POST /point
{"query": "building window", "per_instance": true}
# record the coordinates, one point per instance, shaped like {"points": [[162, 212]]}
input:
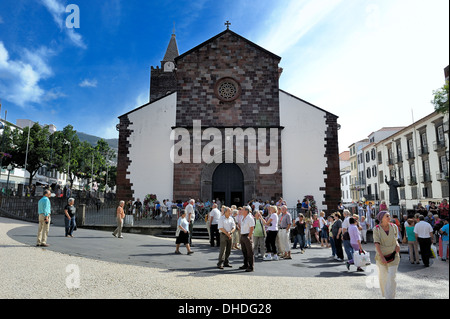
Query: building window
{"points": [[400, 176], [393, 173], [444, 164], [440, 134], [373, 153], [426, 167], [227, 89], [390, 157], [424, 142], [426, 172], [410, 149], [399, 152]]}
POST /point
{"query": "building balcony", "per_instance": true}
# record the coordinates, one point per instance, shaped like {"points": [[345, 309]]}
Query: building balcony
{"points": [[399, 158], [390, 161], [423, 150], [412, 180], [410, 155], [425, 178], [442, 176], [439, 145], [371, 197], [360, 184]]}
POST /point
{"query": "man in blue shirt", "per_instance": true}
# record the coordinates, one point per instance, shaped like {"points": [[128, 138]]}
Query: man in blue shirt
{"points": [[44, 211]]}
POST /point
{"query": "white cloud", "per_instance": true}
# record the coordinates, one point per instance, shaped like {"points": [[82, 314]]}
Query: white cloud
{"points": [[142, 99], [19, 79], [108, 130], [58, 12], [56, 9], [53, 94], [89, 83], [369, 62], [288, 24]]}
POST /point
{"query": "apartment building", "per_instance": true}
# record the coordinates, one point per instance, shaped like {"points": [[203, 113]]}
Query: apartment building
{"points": [[417, 157], [357, 184], [344, 165]]}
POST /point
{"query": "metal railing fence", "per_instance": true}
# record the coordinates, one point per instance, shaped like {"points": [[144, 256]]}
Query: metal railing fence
{"points": [[102, 212]]}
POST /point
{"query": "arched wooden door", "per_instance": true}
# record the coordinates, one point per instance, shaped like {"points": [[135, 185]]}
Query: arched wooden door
{"points": [[228, 184]]}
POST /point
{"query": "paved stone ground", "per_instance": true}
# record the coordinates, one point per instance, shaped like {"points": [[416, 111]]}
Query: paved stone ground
{"points": [[94, 264]]}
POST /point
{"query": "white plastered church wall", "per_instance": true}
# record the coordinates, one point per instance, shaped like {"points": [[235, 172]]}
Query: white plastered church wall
{"points": [[302, 139], [151, 169]]}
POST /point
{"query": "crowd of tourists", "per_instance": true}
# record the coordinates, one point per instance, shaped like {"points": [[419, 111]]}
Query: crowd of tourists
{"points": [[273, 233], [270, 232]]}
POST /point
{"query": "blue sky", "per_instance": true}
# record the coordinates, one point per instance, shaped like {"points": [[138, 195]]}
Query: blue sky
{"points": [[372, 63]]}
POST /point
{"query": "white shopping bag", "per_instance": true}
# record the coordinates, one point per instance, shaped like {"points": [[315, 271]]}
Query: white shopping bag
{"points": [[434, 253], [361, 259]]}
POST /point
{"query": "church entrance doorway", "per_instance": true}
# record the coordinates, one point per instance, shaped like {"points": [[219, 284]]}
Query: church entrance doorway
{"points": [[228, 184]]}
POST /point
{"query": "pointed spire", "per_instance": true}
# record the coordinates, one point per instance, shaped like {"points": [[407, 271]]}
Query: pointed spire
{"points": [[172, 49]]}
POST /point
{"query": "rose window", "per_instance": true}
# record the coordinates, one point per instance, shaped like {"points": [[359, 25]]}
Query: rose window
{"points": [[227, 89]]}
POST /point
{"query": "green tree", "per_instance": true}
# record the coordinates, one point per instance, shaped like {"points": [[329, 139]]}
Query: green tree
{"points": [[440, 100], [65, 152], [6, 146], [39, 151], [105, 172], [81, 161]]}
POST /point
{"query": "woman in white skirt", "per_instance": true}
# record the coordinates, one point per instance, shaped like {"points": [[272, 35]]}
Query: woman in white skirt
{"points": [[387, 254]]}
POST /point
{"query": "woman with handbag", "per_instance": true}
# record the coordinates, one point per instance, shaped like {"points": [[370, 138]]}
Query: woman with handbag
{"points": [[387, 257], [355, 242], [182, 233]]}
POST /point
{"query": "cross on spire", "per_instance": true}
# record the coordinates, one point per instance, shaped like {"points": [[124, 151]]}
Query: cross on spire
{"points": [[228, 24]]}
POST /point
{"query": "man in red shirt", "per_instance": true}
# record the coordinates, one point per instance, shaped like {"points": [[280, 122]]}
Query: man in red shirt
{"points": [[443, 209]]}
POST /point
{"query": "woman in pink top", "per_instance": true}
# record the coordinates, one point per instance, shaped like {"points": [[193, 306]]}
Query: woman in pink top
{"points": [[316, 226], [355, 241]]}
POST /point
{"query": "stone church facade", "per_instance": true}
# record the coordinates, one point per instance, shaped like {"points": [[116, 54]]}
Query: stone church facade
{"points": [[228, 86]]}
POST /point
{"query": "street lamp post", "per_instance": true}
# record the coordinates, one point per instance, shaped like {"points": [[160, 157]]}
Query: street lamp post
{"points": [[68, 165], [26, 154], [9, 168], [92, 173]]}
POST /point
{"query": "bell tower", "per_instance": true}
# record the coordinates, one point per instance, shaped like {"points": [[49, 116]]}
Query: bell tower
{"points": [[163, 79]]}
